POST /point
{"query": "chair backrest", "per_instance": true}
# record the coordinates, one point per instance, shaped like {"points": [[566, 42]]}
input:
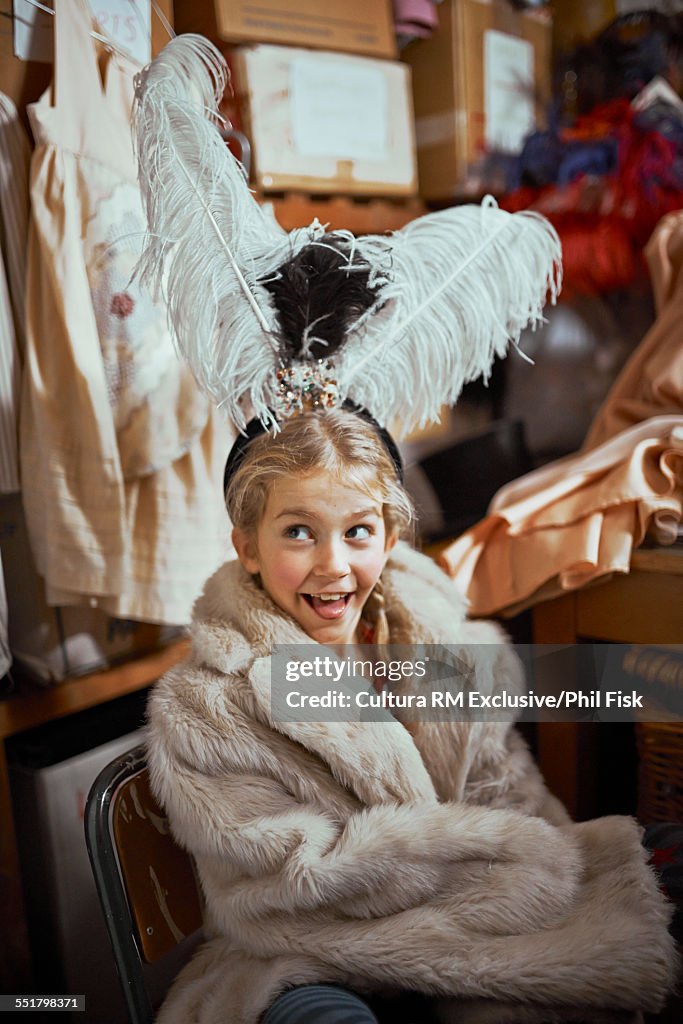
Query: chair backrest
{"points": [[146, 883], [466, 476]]}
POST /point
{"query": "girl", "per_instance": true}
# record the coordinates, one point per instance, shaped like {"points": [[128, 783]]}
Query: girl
{"points": [[372, 858], [344, 862]]}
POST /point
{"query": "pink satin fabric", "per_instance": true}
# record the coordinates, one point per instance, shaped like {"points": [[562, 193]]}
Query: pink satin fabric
{"points": [[577, 520]]}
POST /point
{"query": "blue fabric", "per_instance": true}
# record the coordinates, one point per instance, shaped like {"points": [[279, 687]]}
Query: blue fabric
{"points": [[332, 1004], [319, 1004]]}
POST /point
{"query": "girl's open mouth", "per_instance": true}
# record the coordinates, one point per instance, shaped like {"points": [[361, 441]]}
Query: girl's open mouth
{"points": [[328, 606]]}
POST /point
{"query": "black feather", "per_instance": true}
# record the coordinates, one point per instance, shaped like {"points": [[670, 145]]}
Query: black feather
{"points": [[319, 290]]}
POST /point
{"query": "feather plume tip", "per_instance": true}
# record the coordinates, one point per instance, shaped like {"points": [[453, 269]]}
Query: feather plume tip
{"points": [[465, 282], [209, 242]]}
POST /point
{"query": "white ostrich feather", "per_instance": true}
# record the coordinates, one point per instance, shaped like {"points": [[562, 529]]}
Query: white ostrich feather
{"points": [[454, 288], [209, 241]]}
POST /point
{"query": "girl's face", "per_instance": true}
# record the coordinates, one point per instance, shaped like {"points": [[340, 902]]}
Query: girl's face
{"points": [[320, 548]]}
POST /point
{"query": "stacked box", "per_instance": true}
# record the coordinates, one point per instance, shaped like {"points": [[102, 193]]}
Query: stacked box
{"points": [[325, 122], [352, 26], [480, 84]]}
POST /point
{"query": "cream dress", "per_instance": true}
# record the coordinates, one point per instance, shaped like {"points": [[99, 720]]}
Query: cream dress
{"points": [[122, 456]]}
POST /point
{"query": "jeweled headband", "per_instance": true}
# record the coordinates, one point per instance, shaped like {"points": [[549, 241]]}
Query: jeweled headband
{"points": [[256, 429]]}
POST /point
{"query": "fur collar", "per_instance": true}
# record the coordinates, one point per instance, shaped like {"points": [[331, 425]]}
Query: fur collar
{"points": [[236, 626]]}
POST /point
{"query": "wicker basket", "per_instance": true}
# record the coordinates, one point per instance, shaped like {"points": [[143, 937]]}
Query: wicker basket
{"points": [[660, 772]]}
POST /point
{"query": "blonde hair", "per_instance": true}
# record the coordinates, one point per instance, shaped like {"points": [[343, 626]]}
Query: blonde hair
{"points": [[334, 441]]}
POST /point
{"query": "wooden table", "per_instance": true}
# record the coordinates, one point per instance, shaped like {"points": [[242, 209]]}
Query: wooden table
{"points": [[24, 711], [644, 606]]}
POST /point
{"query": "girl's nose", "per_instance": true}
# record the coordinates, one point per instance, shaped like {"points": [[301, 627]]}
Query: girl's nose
{"points": [[332, 560]]}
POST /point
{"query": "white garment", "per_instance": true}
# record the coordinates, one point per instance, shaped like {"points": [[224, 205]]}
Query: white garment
{"points": [[10, 390], [15, 160], [122, 456], [15, 154]]}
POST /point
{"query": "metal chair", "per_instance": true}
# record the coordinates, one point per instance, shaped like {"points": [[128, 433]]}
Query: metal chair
{"points": [[146, 883]]}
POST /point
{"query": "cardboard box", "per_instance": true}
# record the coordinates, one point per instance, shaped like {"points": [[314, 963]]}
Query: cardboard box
{"points": [[326, 122], [351, 26], [578, 21], [482, 82]]}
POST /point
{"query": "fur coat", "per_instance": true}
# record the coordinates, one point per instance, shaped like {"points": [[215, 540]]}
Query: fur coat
{"points": [[364, 854]]}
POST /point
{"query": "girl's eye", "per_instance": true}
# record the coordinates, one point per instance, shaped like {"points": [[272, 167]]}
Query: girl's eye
{"points": [[359, 532], [297, 533]]}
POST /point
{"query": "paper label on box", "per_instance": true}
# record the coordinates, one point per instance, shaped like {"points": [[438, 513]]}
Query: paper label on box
{"points": [[338, 110], [126, 22], [508, 91], [435, 129]]}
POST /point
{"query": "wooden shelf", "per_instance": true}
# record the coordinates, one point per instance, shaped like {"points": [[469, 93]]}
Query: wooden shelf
{"points": [[26, 710], [361, 216]]}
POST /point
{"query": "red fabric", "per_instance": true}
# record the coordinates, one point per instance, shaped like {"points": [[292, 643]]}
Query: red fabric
{"points": [[604, 223]]}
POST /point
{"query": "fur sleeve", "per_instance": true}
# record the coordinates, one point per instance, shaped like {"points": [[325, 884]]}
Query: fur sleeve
{"points": [[609, 946]]}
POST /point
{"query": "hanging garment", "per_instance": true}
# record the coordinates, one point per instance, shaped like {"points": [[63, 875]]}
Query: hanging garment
{"points": [[15, 155], [5, 655], [651, 383], [10, 389], [121, 454], [15, 161], [579, 519], [9, 467]]}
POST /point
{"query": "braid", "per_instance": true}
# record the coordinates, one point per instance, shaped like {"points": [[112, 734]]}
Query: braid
{"points": [[375, 607]]}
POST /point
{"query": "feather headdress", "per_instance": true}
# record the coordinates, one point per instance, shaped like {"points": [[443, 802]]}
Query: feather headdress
{"points": [[210, 243], [399, 323]]}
